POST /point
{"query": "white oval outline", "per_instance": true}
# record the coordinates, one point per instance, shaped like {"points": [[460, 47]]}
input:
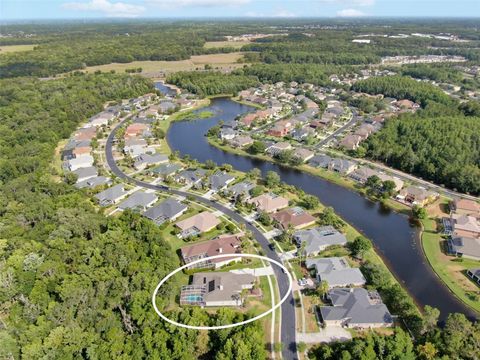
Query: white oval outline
{"points": [[218, 327]]}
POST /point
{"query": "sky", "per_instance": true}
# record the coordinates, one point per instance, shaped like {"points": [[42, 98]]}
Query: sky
{"points": [[91, 9]]}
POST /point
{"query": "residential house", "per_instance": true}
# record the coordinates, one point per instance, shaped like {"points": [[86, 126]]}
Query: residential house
{"points": [[220, 180], [302, 133], [465, 225], [197, 224], [281, 128], [81, 162], [415, 195], [296, 217], [465, 247], [406, 104], [136, 147], [191, 177], [303, 154], [362, 174], [166, 107], [139, 200], [321, 161], [67, 154], [474, 274], [318, 239], [216, 289], [240, 189], [93, 182], [81, 151], [336, 272], [466, 207], [241, 141], [136, 130], [356, 308], [277, 148], [166, 170], [227, 134], [85, 134], [144, 160], [351, 142], [224, 244], [364, 131], [101, 119], [168, 210], [269, 203], [342, 166], [85, 173], [398, 183], [111, 195]]}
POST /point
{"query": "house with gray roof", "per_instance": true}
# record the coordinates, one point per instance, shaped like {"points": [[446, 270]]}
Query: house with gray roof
{"points": [[216, 289], [94, 182], [342, 166], [220, 180], [168, 210], [321, 161], [356, 308], [165, 170], [466, 247], [474, 274], [85, 173], [242, 188], [138, 201], [318, 239], [336, 272], [362, 174], [144, 160], [111, 195], [191, 177]]}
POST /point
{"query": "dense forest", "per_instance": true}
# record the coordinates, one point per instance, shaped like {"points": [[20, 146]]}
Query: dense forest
{"points": [[445, 150], [301, 73], [211, 82], [403, 87], [74, 283]]}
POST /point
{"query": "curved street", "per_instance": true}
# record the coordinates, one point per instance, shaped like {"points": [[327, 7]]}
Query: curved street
{"points": [[288, 329]]}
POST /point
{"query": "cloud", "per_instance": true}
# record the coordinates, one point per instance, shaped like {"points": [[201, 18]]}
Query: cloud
{"points": [[109, 9], [350, 13], [197, 3], [282, 13], [350, 2]]}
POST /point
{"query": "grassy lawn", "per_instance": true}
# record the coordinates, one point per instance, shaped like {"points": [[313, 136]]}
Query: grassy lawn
{"points": [[223, 61], [450, 269], [221, 44], [310, 302], [15, 48]]}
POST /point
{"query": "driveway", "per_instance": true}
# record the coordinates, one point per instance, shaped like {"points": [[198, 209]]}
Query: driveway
{"points": [[327, 335]]}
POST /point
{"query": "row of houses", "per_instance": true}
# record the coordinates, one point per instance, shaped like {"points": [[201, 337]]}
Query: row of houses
{"points": [[463, 229]]}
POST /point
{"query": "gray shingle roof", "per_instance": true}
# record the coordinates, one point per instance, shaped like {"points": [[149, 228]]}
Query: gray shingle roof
{"points": [[111, 195], [319, 238], [140, 199], [336, 271], [167, 210], [356, 306], [219, 180], [93, 182]]}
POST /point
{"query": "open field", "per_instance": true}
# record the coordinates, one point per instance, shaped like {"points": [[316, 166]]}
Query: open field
{"points": [[224, 62], [450, 269], [15, 48], [231, 44]]}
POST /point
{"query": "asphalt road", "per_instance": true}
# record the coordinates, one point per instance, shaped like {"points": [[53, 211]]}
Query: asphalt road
{"points": [[288, 330]]}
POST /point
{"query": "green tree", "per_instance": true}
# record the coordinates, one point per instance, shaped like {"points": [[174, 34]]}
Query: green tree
{"points": [[419, 212], [360, 246], [258, 147], [272, 179]]}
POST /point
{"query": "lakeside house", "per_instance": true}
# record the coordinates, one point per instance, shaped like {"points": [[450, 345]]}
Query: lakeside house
{"points": [[144, 160], [474, 274], [168, 210], [220, 180], [241, 141], [465, 247], [303, 154], [336, 272], [277, 148], [464, 225], [240, 189], [318, 239], [465, 207], [223, 244], [165, 170], [296, 217], [415, 195], [351, 142], [216, 289], [269, 203], [356, 308], [197, 224], [320, 161], [342, 166], [191, 177]]}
